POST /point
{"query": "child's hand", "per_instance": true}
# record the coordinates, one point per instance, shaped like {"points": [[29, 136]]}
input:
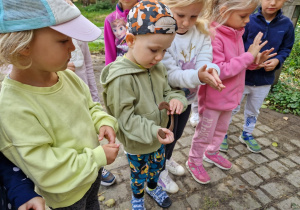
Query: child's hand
{"points": [[169, 136], [176, 107], [214, 73], [265, 55], [71, 66], [111, 152], [206, 77], [107, 132], [271, 64], [256, 46], [36, 203]]}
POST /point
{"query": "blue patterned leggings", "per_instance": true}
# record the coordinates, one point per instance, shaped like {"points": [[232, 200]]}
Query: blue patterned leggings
{"points": [[146, 167]]}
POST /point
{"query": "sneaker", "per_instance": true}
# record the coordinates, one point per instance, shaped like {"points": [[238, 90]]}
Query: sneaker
{"points": [[107, 178], [194, 119], [224, 145], [138, 203], [160, 196], [252, 145], [174, 167], [167, 183], [218, 160], [198, 172]]}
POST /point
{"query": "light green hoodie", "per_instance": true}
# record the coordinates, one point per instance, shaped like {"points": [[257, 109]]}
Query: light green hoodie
{"points": [[132, 95]]}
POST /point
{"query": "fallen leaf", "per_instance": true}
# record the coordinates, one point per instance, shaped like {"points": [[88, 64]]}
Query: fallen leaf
{"points": [[110, 203], [274, 144], [101, 198], [285, 118], [264, 106]]}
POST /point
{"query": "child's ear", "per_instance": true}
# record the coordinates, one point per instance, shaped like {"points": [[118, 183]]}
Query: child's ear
{"points": [[130, 39], [25, 51], [222, 10]]}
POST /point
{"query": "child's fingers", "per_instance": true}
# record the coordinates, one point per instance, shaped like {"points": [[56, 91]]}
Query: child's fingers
{"points": [[263, 44], [272, 55]]}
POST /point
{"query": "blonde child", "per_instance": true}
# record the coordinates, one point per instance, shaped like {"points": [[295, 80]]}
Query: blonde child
{"points": [[189, 64], [115, 30], [49, 122], [230, 17], [134, 86], [279, 31]]}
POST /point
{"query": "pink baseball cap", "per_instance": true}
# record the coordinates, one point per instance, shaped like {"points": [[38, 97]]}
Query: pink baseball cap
{"points": [[61, 16]]}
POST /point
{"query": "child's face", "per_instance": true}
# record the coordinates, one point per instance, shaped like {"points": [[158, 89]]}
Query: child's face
{"points": [[50, 50], [239, 18], [147, 50], [186, 17], [128, 4], [271, 7], [119, 31]]}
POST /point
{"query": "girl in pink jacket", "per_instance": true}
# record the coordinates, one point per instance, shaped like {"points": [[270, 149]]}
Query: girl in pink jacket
{"points": [[230, 18]]}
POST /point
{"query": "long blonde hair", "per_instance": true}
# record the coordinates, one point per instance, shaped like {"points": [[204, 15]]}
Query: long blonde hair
{"points": [[11, 44], [201, 23]]}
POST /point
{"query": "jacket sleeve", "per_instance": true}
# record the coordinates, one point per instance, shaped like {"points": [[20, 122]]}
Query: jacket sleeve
{"points": [[122, 108], [232, 67], [109, 42], [90, 71], [19, 188]]}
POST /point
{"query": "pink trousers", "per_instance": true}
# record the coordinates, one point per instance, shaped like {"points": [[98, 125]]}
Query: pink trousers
{"points": [[209, 134]]}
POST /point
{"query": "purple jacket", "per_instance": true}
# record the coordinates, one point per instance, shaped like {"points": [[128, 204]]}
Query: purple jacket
{"points": [[229, 54], [114, 33]]}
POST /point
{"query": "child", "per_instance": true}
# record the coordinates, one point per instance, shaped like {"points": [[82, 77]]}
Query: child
{"points": [[186, 61], [17, 188], [49, 122], [279, 31], [134, 86], [230, 16], [115, 31]]}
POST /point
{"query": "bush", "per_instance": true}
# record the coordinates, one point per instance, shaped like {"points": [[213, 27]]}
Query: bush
{"points": [[100, 5]]}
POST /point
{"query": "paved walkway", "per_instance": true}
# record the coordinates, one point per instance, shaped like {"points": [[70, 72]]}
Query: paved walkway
{"points": [[268, 180]]}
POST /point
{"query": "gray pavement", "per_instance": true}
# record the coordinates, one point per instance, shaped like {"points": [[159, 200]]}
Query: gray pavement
{"points": [[267, 180]]}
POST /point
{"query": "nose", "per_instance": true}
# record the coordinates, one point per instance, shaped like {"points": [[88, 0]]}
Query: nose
{"points": [[159, 57], [273, 2], [247, 20], [186, 22], [72, 46]]}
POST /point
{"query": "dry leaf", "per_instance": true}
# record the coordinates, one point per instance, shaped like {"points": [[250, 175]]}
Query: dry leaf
{"points": [[285, 118], [274, 144], [110, 202], [101, 198]]}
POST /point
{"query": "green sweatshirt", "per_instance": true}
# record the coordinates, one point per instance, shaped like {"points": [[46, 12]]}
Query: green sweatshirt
{"points": [[51, 134], [132, 95]]}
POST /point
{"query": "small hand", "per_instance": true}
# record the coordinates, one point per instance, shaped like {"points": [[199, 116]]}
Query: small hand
{"points": [[71, 66], [271, 64], [265, 55], [111, 152], [36, 203], [206, 77], [176, 107], [169, 136], [107, 132], [214, 73], [256, 46]]}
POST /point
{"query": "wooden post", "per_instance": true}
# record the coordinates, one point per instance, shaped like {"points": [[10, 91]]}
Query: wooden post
{"points": [[290, 9]]}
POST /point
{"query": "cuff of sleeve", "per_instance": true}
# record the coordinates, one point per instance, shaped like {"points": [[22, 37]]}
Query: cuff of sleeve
{"points": [[214, 66], [26, 196], [195, 79], [100, 157], [154, 131], [109, 121]]}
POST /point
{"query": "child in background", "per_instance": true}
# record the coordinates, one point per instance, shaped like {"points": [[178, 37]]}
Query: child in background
{"points": [[51, 109], [134, 86], [16, 190], [230, 16], [189, 64], [279, 31], [115, 31]]}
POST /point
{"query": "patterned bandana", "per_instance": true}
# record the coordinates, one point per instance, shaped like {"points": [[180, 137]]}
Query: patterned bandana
{"points": [[150, 17]]}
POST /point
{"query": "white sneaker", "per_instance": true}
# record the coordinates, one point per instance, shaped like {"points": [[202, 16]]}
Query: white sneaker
{"points": [[174, 167], [167, 183], [194, 119]]}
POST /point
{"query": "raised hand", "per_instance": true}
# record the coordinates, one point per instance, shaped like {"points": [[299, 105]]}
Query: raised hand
{"points": [[256, 46], [169, 136], [176, 107], [265, 55]]}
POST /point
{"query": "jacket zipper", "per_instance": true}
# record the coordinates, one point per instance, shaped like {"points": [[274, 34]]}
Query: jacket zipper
{"points": [[149, 74]]}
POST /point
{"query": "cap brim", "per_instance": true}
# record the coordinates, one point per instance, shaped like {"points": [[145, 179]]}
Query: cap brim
{"points": [[79, 28]]}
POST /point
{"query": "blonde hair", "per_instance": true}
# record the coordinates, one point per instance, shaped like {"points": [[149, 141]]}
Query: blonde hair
{"points": [[201, 23], [11, 44], [213, 14]]}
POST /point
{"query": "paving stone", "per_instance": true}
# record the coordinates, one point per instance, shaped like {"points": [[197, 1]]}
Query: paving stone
{"points": [[194, 201], [269, 154], [186, 141], [247, 202], [257, 133], [277, 166], [243, 162], [119, 191], [233, 138], [288, 147], [119, 162], [265, 129], [234, 169], [240, 126], [122, 206], [190, 183], [289, 203], [262, 196], [179, 157], [216, 174], [189, 130], [287, 162], [233, 129], [252, 178], [264, 172], [241, 148], [186, 151], [232, 153], [270, 208], [294, 178], [276, 189], [237, 184], [125, 174], [296, 142], [177, 205], [257, 158], [258, 123], [182, 187], [207, 164], [240, 116], [264, 141], [295, 158], [223, 188], [235, 119]]}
